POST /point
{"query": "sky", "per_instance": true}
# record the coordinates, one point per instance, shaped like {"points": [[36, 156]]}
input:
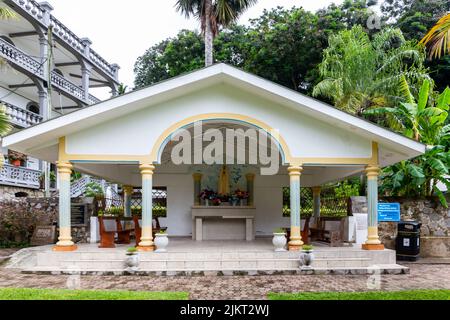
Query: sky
{"points": [[122, 31]]}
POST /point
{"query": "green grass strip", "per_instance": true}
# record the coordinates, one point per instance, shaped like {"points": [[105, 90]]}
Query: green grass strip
{"points": [[59, 294], [371, 295]]}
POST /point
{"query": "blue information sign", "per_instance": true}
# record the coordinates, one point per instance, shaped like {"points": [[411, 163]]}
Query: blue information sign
{"points": [[389, 212]]}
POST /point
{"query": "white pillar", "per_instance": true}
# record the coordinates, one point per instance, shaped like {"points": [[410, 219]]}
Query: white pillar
{"points": [[65, 242], [295, 243], [146, 243]]}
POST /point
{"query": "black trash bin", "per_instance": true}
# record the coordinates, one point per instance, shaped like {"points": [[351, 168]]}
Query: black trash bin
{"points": [[408, 241]]}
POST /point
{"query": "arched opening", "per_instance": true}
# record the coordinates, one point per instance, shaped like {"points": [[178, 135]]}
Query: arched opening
{"points": [[234, 122], [33, 107]]}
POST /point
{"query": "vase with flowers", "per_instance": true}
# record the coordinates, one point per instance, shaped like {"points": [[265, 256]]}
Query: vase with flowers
{"points": [[207, 196], [241, 196]]}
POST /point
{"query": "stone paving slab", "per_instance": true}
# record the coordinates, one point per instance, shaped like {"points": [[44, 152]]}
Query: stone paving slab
{"points": [[239, 287]]}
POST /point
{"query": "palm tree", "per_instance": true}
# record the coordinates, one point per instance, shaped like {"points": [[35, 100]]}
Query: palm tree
{"points": [[360, 74], [212, 15], [5, 13], [438, 38], [5, 127]]}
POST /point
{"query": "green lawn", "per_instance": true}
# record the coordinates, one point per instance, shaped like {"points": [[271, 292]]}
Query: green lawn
{"points": [[373, 295], [51, 294]]}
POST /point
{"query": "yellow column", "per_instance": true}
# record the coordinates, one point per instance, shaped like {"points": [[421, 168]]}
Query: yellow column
{"points": [[373, 241], [295, 243], [250, 189], [65, 242], [146, 243], [197, 187]]}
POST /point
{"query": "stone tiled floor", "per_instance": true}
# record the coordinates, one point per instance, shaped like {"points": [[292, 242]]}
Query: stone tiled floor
{"points": [[421, 277]]}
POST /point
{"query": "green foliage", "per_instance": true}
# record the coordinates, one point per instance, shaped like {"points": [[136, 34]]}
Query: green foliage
{"points": [[425, 120], [93, 190], [282, 45], [279, 231], [307, 247], [371, 295], [132, 250], [61, 294], [360, 74], [5, 126], [346, 189]]}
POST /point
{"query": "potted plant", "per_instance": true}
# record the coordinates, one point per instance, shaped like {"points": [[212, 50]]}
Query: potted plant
{"points": [[132, 260], [207, 196], [93, 191], [279, 240], [242, 196], [161, 241], [307, 256], [16, 158]]}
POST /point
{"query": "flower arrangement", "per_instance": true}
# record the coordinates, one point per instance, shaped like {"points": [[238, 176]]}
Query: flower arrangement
{"points": [[208, 195], [241, 195]]}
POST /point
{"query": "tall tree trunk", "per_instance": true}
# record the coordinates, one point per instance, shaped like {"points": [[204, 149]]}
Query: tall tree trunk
{"points": [[208, 34]]}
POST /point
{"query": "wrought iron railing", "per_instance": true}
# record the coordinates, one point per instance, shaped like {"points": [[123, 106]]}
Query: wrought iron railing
{"points": [[20, 176], [21, 117], [64, 34]]}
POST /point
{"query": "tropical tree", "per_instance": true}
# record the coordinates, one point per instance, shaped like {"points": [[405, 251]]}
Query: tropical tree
{"points": [[5, 127], [5, 13], [212, 15], [438, 38], [425, 121], [360, 74]]}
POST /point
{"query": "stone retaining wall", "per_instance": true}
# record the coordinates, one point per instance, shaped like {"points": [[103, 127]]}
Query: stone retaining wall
{"points": [[9, 193], [20, 216], [435, 219]]}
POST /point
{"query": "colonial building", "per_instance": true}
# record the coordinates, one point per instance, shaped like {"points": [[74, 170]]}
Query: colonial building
{"points": [[47, 71]]}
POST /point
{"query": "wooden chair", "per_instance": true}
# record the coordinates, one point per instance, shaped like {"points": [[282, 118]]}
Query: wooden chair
{"points": [[138, 228], [320, 233], [109, 228]]}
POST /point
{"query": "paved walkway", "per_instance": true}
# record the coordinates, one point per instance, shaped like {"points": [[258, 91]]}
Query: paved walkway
{"points": [[210, 288]]}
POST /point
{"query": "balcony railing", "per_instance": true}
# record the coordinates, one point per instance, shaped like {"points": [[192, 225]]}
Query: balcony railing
{"points": [[19, 176], [64, 34], [34, 67], [21, 117]]}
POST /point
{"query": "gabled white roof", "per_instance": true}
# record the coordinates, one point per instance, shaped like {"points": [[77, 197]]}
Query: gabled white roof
{"points": [[48, 132]]}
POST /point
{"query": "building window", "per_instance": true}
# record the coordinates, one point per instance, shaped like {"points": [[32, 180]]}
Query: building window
{"points": [[33, 107]]}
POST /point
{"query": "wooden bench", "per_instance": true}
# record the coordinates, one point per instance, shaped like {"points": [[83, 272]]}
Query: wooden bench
{"points": [[109, 228], [138, 228], [320, 233], [304, 233]]}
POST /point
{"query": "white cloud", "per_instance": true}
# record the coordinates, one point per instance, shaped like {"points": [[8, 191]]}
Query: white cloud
{"points": [[121, 31]]}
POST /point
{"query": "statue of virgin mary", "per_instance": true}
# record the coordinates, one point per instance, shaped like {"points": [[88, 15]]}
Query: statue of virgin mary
{"points": [[224, 181]]}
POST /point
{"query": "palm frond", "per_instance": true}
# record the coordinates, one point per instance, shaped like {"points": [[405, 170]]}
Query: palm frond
{"points": [[437, 39], [5, 127], [6, 13]]}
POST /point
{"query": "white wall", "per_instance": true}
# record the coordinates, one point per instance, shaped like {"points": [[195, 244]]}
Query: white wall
{"points": [[306, 137], [180, 193]]}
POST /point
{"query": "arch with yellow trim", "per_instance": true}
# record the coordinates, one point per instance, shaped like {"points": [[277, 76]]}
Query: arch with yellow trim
{"points": [[167, 135]]}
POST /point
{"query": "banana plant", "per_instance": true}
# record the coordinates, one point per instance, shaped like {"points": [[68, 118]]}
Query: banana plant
{"points": [[424, 120]]}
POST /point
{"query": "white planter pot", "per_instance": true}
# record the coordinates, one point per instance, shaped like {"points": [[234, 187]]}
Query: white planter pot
{"points": [[307, 259], [279, 242], [132, 262], [161, 242]]}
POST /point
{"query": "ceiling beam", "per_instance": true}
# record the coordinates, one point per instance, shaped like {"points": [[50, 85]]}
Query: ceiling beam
{"points": [[66, 64], [90, 79], [24, 85], [68, 108], [23, 34]]}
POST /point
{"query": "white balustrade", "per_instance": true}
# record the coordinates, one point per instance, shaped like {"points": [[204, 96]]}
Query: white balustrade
{"points": [[35, 10], [20, 176], [21, 117]]}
